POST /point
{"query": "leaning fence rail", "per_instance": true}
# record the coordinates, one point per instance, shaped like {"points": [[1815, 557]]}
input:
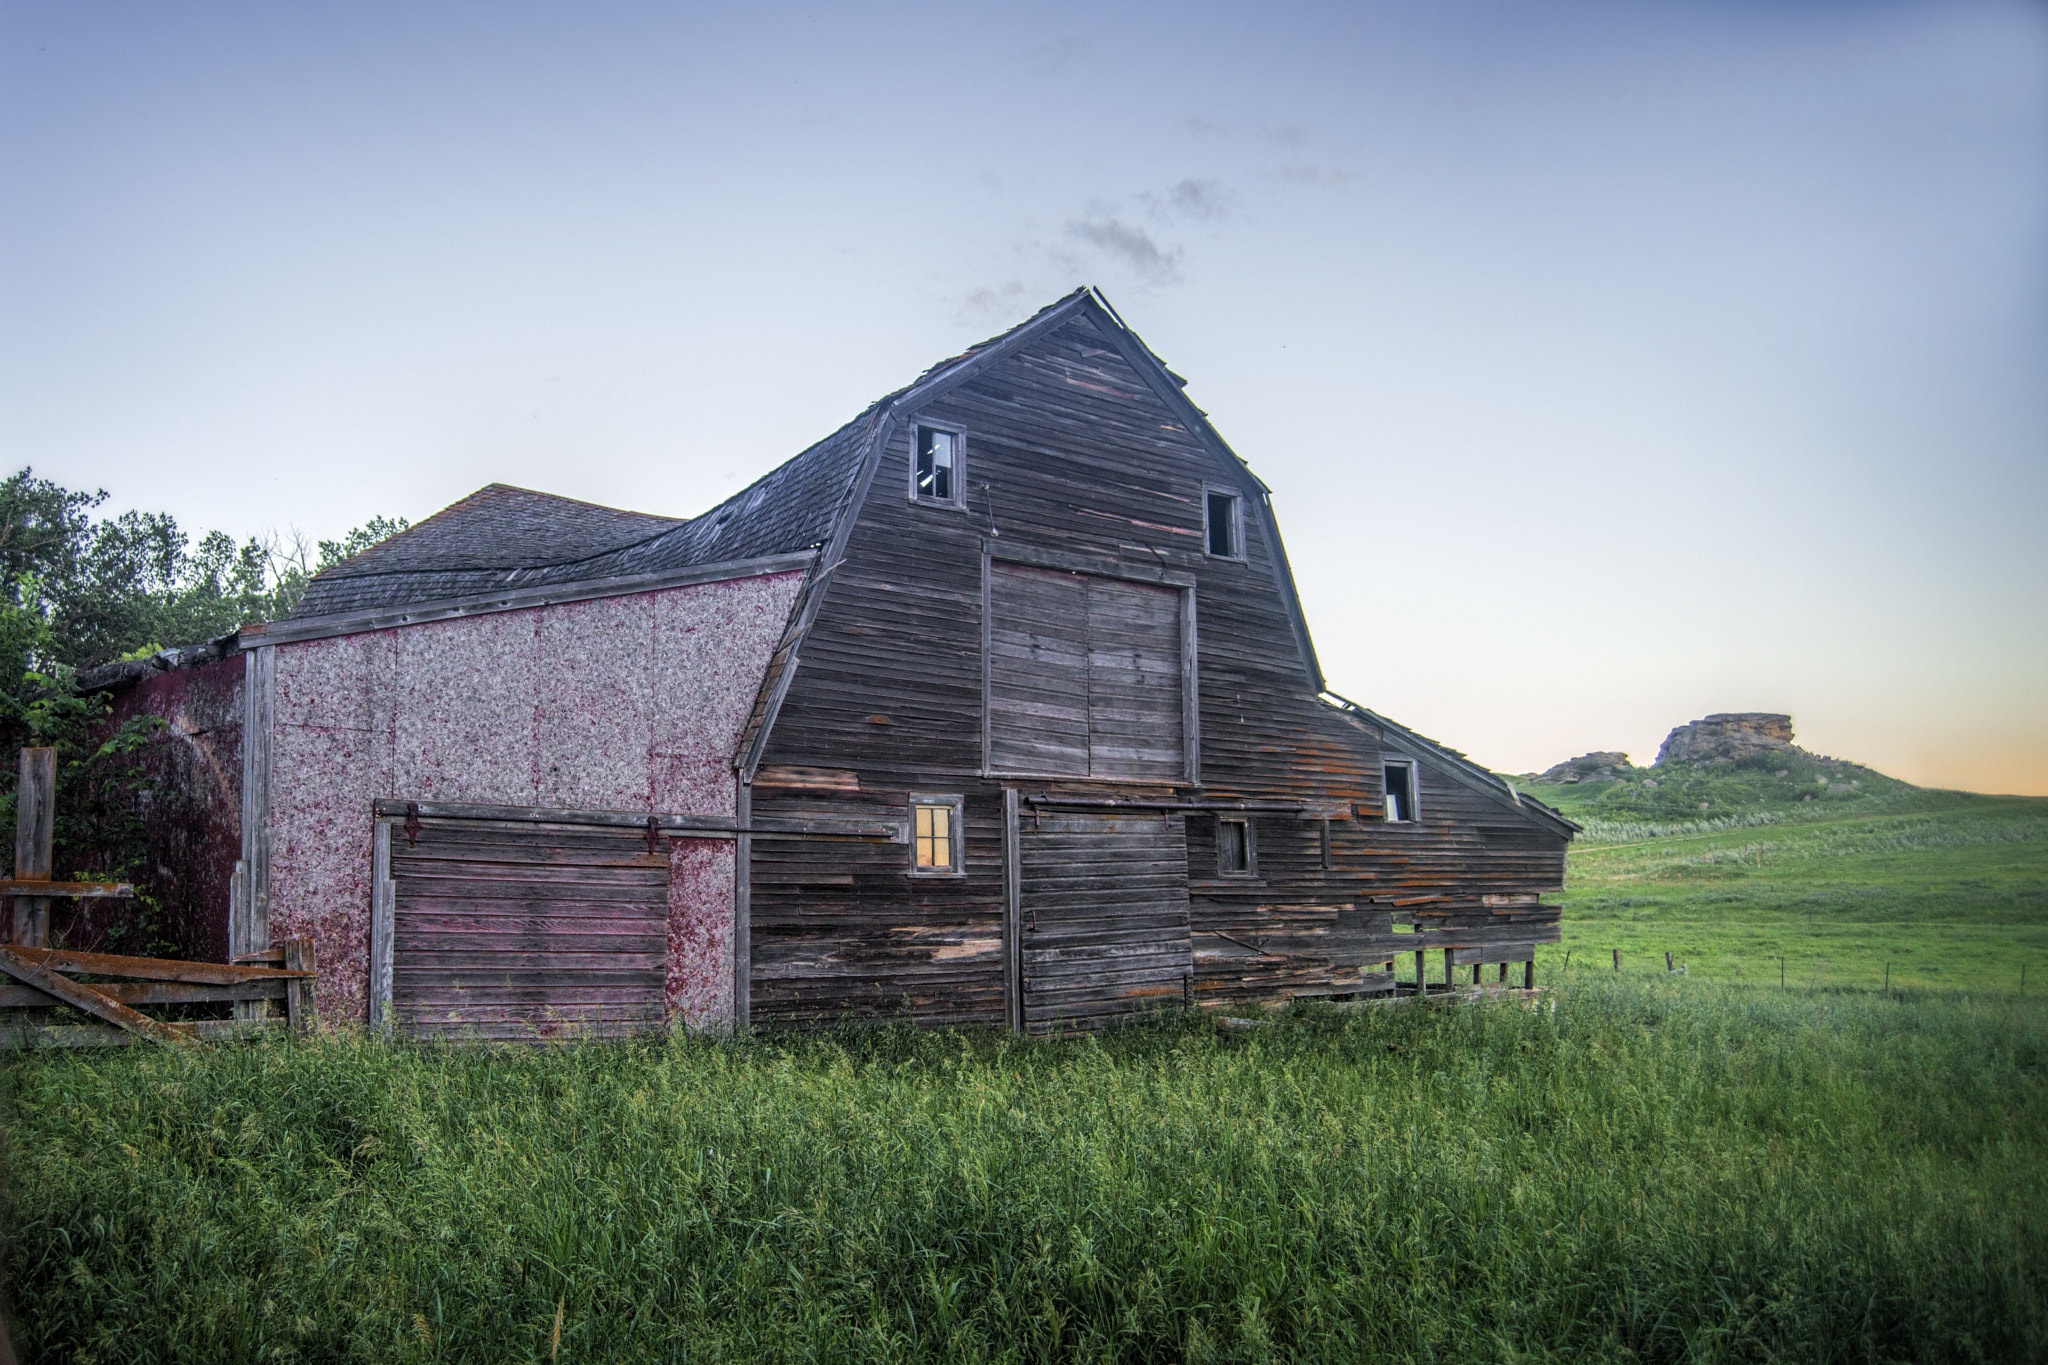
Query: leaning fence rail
{"points": [[112, 992]]}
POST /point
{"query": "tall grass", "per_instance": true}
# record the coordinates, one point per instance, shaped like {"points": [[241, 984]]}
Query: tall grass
{"points": [[1594, 830], [1635, 1172]]}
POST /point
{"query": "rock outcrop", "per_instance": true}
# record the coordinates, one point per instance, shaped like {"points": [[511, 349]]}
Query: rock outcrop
{"points": [[1594, 767], [1727, 735]]}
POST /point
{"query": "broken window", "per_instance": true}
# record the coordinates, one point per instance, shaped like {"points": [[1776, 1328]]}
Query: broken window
{"points": [[1400, 803], [1234, 853], [937, 474], [1223, 524], [934, 835]]}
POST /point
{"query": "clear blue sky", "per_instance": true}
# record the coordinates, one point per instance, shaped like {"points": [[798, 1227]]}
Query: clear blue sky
{"points": [[1612, 363]]}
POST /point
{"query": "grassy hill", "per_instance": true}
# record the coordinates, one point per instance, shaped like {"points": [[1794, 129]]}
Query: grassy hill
{"points": [[1788, 783], [1815, 871]]}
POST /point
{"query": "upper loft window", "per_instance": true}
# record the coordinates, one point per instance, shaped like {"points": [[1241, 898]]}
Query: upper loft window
{"points": [[1223, 524], [935, 475], [1400, 804]]}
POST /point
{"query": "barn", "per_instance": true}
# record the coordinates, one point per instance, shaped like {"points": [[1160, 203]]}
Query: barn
{"points": [[995, 706]]}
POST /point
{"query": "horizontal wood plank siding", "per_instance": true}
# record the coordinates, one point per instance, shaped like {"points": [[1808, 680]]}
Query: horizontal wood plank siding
{"points": [[526, 932], [1105, 918], [1071, 458]]}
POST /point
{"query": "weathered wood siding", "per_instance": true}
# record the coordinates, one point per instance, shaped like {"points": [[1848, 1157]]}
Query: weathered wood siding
{"points": [[526, 931], [1104, 930], [1070, 456], [1084, 676]]}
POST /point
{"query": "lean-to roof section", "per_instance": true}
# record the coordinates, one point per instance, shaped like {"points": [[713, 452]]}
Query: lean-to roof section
{"points": [[1473, 775], [502, 540]]}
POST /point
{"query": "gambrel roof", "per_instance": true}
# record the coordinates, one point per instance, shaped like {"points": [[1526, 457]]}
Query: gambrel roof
{"points": [[511, 543], [502, 539]]}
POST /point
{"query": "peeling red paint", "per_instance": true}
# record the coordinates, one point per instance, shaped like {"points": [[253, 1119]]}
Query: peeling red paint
{"points": [[697, 977], [629, 703]]}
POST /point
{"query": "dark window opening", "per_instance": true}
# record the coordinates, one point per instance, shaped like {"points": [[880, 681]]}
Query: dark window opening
{"points": [[1233, 848], [1400, 791], [938, 459], [1223, 528]]}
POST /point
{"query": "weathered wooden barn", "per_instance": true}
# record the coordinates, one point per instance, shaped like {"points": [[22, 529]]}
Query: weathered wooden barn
{"points": [[996, 705]]}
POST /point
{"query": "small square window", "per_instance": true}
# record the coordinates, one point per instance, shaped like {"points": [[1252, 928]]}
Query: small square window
{"points": [[936, 475], [934, 836], [1235, 856], [1223, 524], [1400, 803]]}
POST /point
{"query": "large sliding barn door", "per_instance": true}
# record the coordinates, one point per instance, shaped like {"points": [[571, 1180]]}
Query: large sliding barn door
{"points": [[1103, 902], [502, 930]]}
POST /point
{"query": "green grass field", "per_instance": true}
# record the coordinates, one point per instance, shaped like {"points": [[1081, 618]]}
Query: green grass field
{"points": [[1630, 1171], [1924, 889], [1632, 1168]]}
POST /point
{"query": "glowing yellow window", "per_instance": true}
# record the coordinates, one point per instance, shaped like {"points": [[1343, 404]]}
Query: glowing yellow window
{"points": [[935, 835]]}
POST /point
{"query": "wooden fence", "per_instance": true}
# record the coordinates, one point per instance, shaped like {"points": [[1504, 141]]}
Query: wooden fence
{"points": [[268, 990]]}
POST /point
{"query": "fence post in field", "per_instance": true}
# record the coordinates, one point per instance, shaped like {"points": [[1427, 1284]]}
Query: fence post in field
{"points": [[1617, 959], [1668, 968], [298, 996], [35, 821]]}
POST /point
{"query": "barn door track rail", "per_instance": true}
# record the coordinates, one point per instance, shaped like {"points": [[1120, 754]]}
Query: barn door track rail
{"points": [[40, 979], [683, 825]]}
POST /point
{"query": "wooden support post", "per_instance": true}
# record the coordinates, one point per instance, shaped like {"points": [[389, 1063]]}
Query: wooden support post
{"points": [[1475, 973], [35, 822], [743, 912], [1503, 973], [1013, 915], [298, 995], [383, 907], [1421, 974], [1529, 975]]}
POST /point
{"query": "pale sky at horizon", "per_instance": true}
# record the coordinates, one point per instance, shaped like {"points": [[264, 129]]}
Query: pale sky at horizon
{"points": [[1611, 363]]}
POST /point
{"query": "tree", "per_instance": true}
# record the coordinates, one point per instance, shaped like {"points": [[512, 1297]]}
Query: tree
{"points": [[77, 592], [106, 589]]}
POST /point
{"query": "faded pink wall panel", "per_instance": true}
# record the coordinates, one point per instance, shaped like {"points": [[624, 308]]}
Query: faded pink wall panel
{"points": [[320, 852], [467, 696], [628, 703], [344, 683], [697, 984], [712, 649], [596, 704]]}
